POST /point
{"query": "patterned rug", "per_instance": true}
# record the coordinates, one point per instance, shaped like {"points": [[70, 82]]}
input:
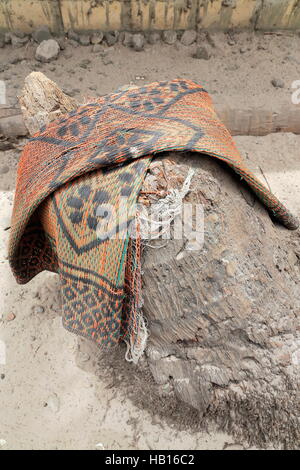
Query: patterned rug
{"points": [[73, 177]]}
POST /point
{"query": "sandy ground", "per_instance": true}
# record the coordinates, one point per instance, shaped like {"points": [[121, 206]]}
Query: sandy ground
{"points": [[53, 395], [239, 75]]}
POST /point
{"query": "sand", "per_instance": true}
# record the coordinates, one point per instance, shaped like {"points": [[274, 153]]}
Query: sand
{"points": [[53, 395]]}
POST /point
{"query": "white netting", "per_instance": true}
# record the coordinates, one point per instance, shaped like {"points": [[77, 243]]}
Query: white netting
{"points": [[137, 342], [138, 333], [164, 212], [167, 209]]}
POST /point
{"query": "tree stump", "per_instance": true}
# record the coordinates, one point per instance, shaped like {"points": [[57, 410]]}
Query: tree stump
{"points": [[223, 318]]}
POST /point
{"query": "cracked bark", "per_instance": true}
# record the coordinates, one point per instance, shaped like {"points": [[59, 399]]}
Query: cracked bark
{"points": [[224, 320]]}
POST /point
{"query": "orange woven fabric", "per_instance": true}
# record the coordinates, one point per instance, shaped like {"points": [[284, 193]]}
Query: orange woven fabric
{"points": [[97, 155]]}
